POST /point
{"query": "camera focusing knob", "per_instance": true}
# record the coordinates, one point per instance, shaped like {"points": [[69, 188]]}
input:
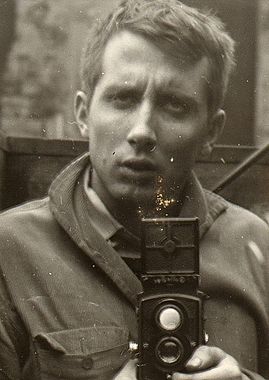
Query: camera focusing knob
{"points": [[133, 348]]}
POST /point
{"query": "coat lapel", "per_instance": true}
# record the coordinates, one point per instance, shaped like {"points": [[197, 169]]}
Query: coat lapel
{"points": [[68, 204]]}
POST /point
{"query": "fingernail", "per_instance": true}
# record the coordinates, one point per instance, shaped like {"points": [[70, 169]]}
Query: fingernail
{"points": [[195, 362]]}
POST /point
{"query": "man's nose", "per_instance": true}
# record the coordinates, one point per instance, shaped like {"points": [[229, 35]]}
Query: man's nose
{"points": [[142, 134]]}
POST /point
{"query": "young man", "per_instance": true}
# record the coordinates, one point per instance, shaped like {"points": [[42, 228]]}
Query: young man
{"points": [[153, 80]]}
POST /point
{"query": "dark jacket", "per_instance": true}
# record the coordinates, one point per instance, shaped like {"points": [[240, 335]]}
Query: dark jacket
{"points": [[68, 299]]}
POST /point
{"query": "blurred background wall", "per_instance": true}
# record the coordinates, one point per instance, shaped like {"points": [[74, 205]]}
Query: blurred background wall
{"points": [[7, 35], [40, 48], [43, 66], [41, 74], [262, 100]]}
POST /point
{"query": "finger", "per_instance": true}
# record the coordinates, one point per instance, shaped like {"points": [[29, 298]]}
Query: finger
{"points": [[205, 357], [127, 372], [211, 374], [228, 370]]}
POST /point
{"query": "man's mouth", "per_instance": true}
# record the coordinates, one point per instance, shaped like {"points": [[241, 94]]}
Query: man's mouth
{"points": [[138, 168]]}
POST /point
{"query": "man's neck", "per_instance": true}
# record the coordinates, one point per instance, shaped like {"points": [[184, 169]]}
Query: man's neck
{"points": [[135, 224], [129, 214]]}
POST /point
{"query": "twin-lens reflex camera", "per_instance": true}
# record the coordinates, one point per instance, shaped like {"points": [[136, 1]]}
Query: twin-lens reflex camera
{"points": [[170, 308]]}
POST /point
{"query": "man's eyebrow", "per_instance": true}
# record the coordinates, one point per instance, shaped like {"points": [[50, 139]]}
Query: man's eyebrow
{"points": [[113, 87], [173, 93], [119, 89], [133, 87]]}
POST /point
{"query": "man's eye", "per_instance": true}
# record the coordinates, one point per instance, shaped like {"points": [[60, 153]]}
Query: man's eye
{"points": [[175, 106], [123, 100]]}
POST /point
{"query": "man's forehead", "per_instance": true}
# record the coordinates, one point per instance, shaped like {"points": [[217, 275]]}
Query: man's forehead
{"points": [[131, 42], [189, 83], [129, 53]]}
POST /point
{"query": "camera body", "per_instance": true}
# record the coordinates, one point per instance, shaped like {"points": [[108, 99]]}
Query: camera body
{"points": [[170, 309]]}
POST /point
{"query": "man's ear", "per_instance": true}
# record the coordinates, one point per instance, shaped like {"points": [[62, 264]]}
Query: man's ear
{"points": [[81, 112], [215, 127]]}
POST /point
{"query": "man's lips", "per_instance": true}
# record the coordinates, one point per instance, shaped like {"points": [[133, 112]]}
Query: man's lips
{"points": [[138, 167], [140, 164]]}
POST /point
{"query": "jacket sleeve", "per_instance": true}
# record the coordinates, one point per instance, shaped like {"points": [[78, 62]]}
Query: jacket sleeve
{"points": [[252, 375], [12, 338], [264, 336], [258, 247]]}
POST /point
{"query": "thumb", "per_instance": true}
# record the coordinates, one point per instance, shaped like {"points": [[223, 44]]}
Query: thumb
{"points": [[203, 358], [127, 372]]}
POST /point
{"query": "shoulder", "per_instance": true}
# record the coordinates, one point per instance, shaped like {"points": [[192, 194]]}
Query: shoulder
{"points": [[25, 221], [234, 220], [245, 220], [234, 213], [24, 211]]}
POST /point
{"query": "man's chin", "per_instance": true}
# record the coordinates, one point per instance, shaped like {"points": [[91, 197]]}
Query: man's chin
{"points": [[140, 197]]}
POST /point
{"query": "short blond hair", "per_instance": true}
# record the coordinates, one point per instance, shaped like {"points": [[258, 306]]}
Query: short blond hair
{"points": [[188, 32]]}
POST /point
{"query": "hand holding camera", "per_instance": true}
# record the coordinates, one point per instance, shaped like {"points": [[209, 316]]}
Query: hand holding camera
{"points": [[206, 363], [210, 363]]}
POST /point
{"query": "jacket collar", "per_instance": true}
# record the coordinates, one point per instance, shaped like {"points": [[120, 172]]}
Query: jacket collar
{"points": [[196, 203], [203, 204], [101, 218], [67, 208]]}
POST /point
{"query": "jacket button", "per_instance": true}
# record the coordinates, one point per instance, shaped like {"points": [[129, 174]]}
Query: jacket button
{"points": [[87, 362]]}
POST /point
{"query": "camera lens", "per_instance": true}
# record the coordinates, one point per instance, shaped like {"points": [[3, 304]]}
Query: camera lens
{"points": [[169, 318], [169, 350]]}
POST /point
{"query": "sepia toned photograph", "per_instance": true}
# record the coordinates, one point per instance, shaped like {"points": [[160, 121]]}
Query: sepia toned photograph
{"points": [[134, 189]]}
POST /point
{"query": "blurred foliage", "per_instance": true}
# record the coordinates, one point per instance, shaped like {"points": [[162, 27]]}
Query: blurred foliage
{"points": [[7, 37], [7, 28], [43, 65], [44, 75], [264, 4]]}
